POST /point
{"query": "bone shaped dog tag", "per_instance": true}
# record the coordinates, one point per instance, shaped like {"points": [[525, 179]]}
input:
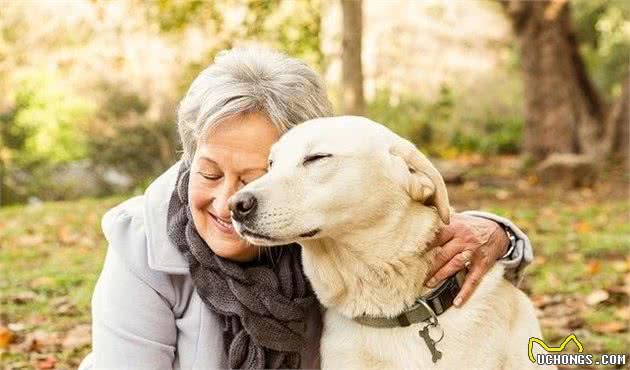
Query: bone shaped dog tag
{"points": [[424, 333]]}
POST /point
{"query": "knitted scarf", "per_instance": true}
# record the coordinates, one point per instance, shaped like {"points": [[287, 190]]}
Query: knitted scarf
{"points": [[263, 304]]}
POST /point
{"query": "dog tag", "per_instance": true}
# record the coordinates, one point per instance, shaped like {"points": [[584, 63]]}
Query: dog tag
{"points": [[424, 333]]}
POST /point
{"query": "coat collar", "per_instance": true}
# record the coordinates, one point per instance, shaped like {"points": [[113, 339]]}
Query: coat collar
{"points": [[163, 255]]}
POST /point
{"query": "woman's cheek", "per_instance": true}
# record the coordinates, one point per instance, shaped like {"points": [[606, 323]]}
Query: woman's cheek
{"points": [[200, 196]]}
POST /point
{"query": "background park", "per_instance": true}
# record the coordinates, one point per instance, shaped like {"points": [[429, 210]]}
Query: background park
{"points": [[524, 106]]}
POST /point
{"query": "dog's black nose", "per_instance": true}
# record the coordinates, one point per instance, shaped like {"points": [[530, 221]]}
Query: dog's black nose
{"points": [[242, 204]]}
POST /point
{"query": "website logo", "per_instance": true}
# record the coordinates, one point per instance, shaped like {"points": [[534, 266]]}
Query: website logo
{"points": [[554, 357]]}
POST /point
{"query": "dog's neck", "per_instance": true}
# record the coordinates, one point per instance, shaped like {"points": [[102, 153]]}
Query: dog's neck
{"points": [[377, 272]]}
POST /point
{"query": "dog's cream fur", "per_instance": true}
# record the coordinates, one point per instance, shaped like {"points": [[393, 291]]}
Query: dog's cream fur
{"points": [[373, 206]]}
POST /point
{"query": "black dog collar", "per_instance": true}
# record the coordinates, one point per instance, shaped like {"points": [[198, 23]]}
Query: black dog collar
{"points": [[426, 307]]}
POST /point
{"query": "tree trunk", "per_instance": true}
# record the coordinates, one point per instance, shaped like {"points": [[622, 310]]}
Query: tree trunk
{"points": [[619, 122], [352, 99], [564, 112]]}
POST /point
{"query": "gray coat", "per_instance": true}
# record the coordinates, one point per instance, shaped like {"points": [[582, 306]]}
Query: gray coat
{"points": [[146, 313]]}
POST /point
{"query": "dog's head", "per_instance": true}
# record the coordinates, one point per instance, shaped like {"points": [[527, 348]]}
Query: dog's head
{"points": [[333, 176]]}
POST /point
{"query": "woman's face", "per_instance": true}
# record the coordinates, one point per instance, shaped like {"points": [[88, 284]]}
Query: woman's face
{"points": [[232, 154]]}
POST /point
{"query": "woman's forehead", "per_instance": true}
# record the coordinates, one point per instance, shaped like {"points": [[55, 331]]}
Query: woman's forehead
{"points": [[240, 139], [243, 128]]}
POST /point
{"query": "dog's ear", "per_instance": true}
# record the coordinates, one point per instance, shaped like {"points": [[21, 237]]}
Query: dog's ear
{"points": [[424, 182]]}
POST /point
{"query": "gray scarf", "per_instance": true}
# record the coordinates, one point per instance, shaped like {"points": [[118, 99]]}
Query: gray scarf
{"points": [[263, 304]]}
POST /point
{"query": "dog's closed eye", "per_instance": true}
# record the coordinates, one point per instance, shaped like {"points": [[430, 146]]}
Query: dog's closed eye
{"points": [[315, 157]]}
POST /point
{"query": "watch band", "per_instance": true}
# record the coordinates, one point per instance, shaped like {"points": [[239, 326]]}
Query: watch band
{"points": [[512, 245]]}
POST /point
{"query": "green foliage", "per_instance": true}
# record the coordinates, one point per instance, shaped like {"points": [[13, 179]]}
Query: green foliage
{"points": [[41, 130], [124, 138], [442, 129], [42, 126], [292, 26], [603, 30], [50, 132], [411, 117], [175, 15], [490, 135]]}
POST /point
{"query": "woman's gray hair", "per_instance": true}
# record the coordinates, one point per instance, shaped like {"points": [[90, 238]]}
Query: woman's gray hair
{"points": [[250, 80]]}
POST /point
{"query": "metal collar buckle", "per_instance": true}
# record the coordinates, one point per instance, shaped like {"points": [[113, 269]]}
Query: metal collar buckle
{"points": [[433, 320]]}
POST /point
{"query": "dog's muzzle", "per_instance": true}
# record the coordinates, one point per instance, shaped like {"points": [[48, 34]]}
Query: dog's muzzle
{"points": [[243, 206]]}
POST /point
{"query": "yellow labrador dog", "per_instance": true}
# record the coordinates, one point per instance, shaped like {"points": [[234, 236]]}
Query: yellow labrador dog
{"points": [[363, 203]]}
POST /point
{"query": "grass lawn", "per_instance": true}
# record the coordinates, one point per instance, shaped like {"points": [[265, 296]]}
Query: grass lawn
{"points": [[51, 255]]}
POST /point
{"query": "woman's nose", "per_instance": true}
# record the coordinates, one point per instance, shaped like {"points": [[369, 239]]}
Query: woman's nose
{"points": [[221, 202]]}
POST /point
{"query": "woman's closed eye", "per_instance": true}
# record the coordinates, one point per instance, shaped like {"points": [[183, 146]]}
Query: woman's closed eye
{"points": [[315, 157], [210, 176]]}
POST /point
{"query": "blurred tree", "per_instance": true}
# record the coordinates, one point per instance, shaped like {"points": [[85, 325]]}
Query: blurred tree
{"points": [[603, 32], [352, 98], [565, 112], [124, 138], [40, 127], [292, 26], [41, 130]]}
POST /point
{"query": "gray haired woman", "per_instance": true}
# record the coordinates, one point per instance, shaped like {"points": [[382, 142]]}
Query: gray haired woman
{"points": [[180, 289]]}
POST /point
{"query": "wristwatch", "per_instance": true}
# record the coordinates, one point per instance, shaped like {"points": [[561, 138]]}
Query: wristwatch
{"points": [[512, 245]]}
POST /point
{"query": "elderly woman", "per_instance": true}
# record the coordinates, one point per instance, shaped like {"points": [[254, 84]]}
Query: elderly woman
{"points": [[179, 289]]}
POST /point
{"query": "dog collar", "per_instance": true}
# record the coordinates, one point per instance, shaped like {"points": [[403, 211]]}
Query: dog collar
{"points": [[426, 307]]}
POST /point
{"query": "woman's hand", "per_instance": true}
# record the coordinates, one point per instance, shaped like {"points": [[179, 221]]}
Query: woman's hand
{"points": [[468, 242]]}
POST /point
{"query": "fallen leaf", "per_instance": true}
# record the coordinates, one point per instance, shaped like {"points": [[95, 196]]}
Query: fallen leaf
{"points": [[575, 257], [66, 236], [63, 234], [619, 266], [64, 306], [47, 363], [532, 179], [29, 240], [596, 296], [544, 300], [623, 312], [539, 260], [37, 341], [552, 279], [557, 321], [609, 327], [470, 185], [79, 336], [24, 297], [583, 227], [16, 326], [575, 322], [523, 185], [6, 336], [593, 267], [42, 282], [586, 192]]}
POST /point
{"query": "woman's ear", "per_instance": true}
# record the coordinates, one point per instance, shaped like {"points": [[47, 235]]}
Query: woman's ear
{"points": [[424, 182]]}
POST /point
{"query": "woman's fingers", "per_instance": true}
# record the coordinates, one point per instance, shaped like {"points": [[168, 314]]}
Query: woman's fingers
{"points": [[444, 254], [444, 235], [476, 272], [456, 261]]}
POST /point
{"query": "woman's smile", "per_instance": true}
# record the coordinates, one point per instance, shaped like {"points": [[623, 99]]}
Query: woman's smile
{"points": [[224, 226]]}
